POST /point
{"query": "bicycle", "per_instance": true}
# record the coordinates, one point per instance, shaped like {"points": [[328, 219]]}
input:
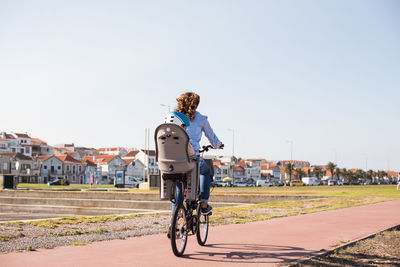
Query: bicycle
{"points": [[184, 220], [175, 166]]}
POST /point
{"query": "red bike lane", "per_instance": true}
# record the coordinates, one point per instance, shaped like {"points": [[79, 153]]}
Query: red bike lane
{"points": [[265, 243]]}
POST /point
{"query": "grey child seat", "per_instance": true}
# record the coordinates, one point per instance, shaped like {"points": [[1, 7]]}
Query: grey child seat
{"points": [[174, 161]]}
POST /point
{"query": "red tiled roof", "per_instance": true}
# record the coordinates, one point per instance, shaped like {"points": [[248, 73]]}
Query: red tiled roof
{"points": [[133, 153], [89, 163], [128, 161], [37, 140], [393, 174], [151, 153], [20, 135], [15, 154], [67, 159], [100, 158], [268, 167], [44, 158], [103, 149], [217, 163]]}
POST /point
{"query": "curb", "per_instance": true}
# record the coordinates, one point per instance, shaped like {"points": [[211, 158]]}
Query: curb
{"points": [[298, 263]]}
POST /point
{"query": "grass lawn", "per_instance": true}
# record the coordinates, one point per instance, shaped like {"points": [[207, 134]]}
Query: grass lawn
{"points": [[326, 198], [335, 197], [27, 185]]}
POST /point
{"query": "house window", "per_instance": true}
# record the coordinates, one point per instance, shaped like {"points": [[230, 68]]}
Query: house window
{"points": [[59, 167], [27, 150], [21, 150], [73, 169], [5, 166], [45, 167], [13, 150], [80, 168], [68, 168], [73, 178]]}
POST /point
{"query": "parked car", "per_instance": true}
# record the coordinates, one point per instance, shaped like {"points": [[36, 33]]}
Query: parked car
{"points": [[251, 184], [241, 184], [297, 183], [227, 184], [331, 182], [260, 183], [58, 181], [277, 183]]}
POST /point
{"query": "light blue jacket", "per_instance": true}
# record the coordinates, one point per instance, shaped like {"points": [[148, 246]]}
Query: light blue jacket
{"points": [[195, 130]]}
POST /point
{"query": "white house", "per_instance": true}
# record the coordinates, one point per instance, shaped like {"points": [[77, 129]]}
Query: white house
{"points": [[15, 143], [73, 170], [110, 165], [41, 148], [51, 168], [116, 151], [148, 158], [134, 168]]}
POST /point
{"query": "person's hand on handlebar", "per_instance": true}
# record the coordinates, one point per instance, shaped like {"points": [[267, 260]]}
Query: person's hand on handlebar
{"points": [[221, 146]]}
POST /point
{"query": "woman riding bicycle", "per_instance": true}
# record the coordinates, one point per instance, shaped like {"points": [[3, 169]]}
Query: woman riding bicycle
{"points": [[187, 104]]}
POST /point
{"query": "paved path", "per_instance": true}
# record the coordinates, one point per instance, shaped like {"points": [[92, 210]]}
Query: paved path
{"points": [[265, 243]]}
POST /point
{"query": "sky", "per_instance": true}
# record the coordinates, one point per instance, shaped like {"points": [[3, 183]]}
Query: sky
{"points": [[319, 78]]}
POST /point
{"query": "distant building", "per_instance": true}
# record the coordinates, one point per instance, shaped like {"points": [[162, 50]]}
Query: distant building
{"points": [[110, 165], [148, 158], [296, 163], [51, 168], [41, 148], [25, 168], [73, 169], [116, 151]]}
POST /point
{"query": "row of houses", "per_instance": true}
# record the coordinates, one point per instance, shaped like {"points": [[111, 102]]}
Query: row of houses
{"points": [[276, 172], [33, 160]]}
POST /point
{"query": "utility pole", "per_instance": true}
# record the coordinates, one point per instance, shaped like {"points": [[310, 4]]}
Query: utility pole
{"points": [[291, 149], [233, 154], [165, 105]]}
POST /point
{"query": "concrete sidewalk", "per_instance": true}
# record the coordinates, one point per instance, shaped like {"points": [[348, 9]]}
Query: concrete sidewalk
{"points": [[265, 243]]}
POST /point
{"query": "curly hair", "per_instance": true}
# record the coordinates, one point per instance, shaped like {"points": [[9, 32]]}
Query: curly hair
{"points": [[187, 104]]}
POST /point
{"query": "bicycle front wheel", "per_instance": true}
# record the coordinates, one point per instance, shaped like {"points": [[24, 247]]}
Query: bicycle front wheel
{"points": [[202, 227], [179, 231]]}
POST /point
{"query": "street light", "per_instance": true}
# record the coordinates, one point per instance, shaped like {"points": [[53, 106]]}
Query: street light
{"points": [[169, 107], [291, 149], [233, 140], [233, 154]]}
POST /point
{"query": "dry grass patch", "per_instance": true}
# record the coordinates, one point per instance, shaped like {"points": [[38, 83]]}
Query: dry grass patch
{"points": [[380, 250]]}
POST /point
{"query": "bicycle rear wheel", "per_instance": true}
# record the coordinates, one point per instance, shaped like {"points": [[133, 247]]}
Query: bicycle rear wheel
{"points": [[202, 227], [179, 231]]}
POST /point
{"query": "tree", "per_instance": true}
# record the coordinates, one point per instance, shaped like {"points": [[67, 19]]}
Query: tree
{"points": [[331, 166], [338, 172], [345, 175], [289, 170], [370, 174], [359, 175], [299, 173], [380, 175], [317, 171]]}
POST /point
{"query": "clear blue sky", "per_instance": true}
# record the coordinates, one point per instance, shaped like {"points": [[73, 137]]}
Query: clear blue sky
{"points": [[324, 74]]}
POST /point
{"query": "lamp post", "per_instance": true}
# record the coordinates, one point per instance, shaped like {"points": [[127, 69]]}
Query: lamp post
{"points": [[233, 154], [169, 107], [291, 149]]}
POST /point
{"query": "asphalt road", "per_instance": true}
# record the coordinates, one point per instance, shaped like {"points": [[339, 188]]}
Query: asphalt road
{"points": [[265, 243]]}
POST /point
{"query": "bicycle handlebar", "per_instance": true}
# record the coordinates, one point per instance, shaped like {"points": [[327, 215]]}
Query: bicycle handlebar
{"points": [[206, 148]]}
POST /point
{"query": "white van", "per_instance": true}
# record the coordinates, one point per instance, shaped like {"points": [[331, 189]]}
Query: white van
{"points": [[311, 181], [263, 183]]}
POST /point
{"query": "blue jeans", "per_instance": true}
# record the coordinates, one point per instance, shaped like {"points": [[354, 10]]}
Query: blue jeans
{"points": [[205, 184]]}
